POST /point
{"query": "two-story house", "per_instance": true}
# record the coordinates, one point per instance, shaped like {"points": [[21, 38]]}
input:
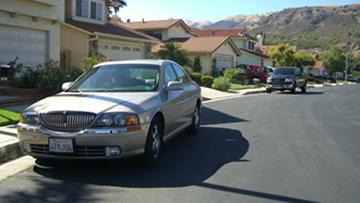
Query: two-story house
{"points": [[244, 42], [87, 30], [30, 30], [220, 48]]}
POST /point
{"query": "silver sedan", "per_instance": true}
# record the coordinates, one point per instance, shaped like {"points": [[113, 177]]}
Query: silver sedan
{"points": [[114, 110]]}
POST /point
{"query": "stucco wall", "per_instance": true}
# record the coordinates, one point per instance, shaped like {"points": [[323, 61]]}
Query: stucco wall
{"points": [[37, 15], [176, 31], [75, 43], [247, 58]]}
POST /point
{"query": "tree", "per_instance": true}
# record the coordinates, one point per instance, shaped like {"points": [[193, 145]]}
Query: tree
{"points": [[115, 5], [196, 67], [283, 55], [303, 59], [213, 71], [334, 59], [172, 51]]}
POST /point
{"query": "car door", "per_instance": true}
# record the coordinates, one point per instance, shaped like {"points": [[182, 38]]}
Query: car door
{"points": [[172, 105], [189, 96]]}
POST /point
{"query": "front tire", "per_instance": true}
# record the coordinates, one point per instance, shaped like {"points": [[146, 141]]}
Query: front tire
{"points": [[293, 90], [303, 89], [268, 90], [154, 143], [195, 125]]}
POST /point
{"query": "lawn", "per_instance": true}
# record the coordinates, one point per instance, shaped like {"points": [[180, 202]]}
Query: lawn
{"points": [[8, 117]]}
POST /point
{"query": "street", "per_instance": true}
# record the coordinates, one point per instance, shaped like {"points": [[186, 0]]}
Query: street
{"points": [[280, 147]]}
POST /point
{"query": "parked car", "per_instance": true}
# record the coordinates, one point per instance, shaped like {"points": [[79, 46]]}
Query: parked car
{"points": [[352, 78], [114, 110], [255, 72], [286, 79]]}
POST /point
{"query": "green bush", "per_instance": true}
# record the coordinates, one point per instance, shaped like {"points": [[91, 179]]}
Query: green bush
{"points": [[207, 80], [196, 77], [90, 61], [29, 77], [221, 83]]}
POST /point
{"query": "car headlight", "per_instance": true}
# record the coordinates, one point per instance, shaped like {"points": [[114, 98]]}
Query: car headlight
{"points": [[31, 118], [268, 80], [289, 80], [129, 121]]}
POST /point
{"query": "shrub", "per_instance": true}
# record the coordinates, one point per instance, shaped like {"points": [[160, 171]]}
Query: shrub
{"points": [[197, 65], [90, 61], [221, 83], [29, 77], [196, 77], [207, 80], [213, 71]]}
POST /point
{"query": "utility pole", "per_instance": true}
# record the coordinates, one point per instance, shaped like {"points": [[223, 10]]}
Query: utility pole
{"points": [[346, 65]]}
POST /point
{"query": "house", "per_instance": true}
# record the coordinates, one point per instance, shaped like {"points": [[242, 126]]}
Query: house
{"points": [[30, 30], [164, 30], [318, 69], [87, 30], [248, 45], [222, 49]]}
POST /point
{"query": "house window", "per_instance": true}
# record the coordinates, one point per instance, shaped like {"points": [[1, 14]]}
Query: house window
{"points": [[126, 49], [82, 8], [136, 49], [90, 8], [115, 47]]}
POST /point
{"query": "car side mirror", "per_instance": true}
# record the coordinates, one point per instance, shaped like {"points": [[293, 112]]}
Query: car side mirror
{"points": [[175, 85], [66, 86]]}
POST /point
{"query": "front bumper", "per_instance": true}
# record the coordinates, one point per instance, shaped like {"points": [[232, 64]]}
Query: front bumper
{"points": [[282, 86], [87, 144]]}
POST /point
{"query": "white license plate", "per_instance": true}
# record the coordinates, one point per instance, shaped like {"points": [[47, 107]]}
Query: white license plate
{"points": [[61, 145]]}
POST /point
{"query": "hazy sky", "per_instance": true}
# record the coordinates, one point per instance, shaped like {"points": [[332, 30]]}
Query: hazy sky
{"points": [[213, 10]]}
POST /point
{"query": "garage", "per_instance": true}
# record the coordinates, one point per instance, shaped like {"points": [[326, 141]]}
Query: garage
{"points": [[117, 51], [29, 45], [224, 62]]}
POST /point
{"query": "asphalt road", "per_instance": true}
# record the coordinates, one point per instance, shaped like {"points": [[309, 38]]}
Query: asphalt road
{"points": [[260, 148]]}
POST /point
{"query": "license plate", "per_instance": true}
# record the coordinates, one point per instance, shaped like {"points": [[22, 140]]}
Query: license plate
{"points": [[61, 145]]}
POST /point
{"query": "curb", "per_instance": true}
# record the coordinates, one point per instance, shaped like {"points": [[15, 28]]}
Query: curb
{"points": [[10, 150], [255, 92]]}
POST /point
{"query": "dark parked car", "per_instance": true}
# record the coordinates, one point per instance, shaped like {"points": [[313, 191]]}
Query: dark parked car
{"points": [[286, 79]]}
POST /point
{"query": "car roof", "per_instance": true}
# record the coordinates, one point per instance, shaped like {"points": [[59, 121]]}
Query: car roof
{"points": [[141, 61]]}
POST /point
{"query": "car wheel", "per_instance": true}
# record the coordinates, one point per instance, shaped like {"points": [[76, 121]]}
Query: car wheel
{"points": [[303, 89], [293, 89], [268, 90], [195, 125], [154, 142]]}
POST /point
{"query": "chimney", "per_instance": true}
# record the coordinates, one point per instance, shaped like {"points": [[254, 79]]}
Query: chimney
{"points": [[143, 21], [128, 21]]}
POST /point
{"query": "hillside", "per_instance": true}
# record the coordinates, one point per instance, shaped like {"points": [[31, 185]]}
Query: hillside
{"points": [[306, 27]]}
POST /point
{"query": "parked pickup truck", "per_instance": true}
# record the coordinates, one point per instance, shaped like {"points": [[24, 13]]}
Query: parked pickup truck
{"points": [[286, 79]]}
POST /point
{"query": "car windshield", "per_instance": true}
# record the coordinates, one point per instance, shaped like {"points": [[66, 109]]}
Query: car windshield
{"points": [[284, 71], [118, 78]]}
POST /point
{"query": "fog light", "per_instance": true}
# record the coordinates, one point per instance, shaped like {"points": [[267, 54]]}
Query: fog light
{"points": [[26, 147], [112, 151]]}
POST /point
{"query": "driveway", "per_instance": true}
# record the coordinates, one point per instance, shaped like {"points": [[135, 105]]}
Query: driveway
{"points": [[260, 148]]}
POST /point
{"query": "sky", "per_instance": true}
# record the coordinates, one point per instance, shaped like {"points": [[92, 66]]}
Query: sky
{"points": [[212, 10]]}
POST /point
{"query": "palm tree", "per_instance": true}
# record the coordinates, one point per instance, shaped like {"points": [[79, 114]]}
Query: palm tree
{"points": [[115, 5], [173, 51]]}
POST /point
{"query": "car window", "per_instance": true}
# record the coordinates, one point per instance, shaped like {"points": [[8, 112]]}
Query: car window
{"points": [[169, 74], [181, 75]]}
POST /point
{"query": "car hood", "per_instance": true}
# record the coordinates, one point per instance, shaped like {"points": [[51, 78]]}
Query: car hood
{"points": [[281, 76], [93, 102]]}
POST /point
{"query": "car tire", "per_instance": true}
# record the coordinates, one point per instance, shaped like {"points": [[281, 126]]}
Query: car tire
{"points": [[195, 125], [293, 89], [154, 143], [268, 90], [303, 89]]}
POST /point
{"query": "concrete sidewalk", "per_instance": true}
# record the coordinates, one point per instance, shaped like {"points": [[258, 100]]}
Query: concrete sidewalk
{"points": [[210, 94]]}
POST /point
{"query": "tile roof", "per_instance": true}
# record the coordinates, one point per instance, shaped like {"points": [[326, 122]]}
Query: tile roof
{"points": [[318, 65], [255, 53], [149, 25], [109, 28], [219, 32], [200, 45]]}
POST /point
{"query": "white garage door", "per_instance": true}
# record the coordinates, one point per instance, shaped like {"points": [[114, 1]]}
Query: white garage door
{"points": [[27, 44], [118, 52], [224, 62]]}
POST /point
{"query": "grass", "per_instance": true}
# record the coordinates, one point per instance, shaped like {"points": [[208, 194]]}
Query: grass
{"points": [[235, 86], [8, 117]]}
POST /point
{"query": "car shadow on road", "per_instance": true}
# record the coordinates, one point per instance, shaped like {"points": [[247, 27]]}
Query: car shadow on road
{"points": [[300, 93], [187, 160], [212, 117]]}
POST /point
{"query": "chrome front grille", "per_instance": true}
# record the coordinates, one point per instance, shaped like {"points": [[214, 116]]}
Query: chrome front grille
{"points": [[67, 120], [80, 151], [278, 80]]}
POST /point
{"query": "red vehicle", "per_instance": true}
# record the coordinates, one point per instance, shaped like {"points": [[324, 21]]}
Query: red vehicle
{"points": [[255, 72]]}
